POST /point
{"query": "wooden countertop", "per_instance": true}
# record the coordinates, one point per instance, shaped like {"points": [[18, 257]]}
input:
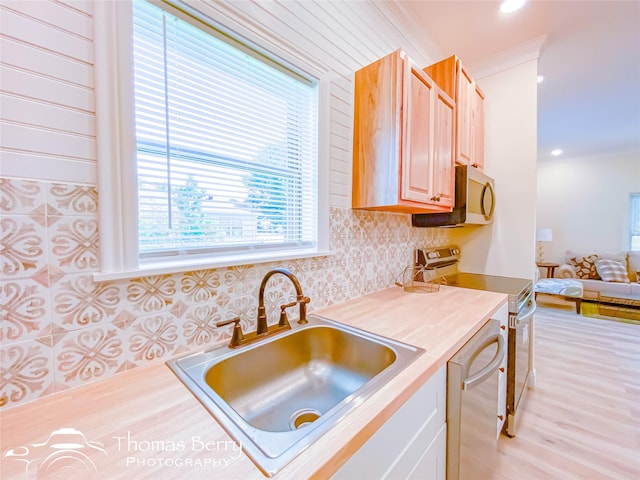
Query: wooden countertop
{"points": [[151, 426]]}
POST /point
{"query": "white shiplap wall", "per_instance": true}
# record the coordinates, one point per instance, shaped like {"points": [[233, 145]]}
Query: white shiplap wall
{"points": [[47, 110]]}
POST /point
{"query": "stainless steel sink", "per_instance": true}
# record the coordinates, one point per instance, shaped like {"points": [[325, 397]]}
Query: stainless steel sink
{"points": [[277, 396]]}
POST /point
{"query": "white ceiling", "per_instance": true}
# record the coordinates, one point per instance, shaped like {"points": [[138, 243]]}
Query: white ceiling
{"points": [[589, 103]]}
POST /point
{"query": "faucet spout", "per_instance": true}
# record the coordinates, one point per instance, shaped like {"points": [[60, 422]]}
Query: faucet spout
{"points": [[301, 299]]}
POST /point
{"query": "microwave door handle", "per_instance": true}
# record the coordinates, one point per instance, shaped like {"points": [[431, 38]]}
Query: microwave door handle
{"points": [[491, 368], [489, 187]]}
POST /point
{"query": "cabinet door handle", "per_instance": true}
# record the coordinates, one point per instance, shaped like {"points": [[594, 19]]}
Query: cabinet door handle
{"points": [[501, 369]]}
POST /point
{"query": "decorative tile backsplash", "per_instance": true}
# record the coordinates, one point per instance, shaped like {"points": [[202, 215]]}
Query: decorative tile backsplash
{"points": [[60, 329]]}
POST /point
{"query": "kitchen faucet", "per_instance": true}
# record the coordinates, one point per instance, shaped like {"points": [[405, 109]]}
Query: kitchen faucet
{"points": [[300, 299], [262, 328]]}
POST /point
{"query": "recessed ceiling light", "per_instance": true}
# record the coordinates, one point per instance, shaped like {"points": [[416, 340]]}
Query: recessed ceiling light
{"points": [[540, 78], [508, 6], [556, 151]]}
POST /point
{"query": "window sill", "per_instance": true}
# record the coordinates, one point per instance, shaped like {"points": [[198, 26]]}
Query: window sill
{"points": [[190, 264]]}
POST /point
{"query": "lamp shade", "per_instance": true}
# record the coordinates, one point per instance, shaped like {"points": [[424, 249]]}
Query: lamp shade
{"points": [[544, 235]]}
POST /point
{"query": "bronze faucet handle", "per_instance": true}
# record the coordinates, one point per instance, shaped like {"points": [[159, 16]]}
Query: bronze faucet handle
{"points": [[284, 321], [237, 336], [235, 320], [303, 301]]}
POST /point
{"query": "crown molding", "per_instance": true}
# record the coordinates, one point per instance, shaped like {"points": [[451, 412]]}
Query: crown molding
{"points": [[512, 57], [423, 44]]}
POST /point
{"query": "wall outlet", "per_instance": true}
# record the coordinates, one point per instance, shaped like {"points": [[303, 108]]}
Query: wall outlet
{"points": [[369, 273]]}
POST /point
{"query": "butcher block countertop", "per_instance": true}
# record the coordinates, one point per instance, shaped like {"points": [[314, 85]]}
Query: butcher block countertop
{"points": [[144, 423]]}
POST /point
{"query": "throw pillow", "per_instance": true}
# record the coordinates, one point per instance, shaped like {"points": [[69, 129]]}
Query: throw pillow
{"points": [[586, 267], [612, 271]]}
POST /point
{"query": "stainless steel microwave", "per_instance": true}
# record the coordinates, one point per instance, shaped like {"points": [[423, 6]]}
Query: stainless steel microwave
{"points": [[475, 201]]}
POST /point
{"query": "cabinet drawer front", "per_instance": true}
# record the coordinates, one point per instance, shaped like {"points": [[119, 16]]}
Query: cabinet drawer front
{"points": [[419, 420], [433, 464], [425, 457]]}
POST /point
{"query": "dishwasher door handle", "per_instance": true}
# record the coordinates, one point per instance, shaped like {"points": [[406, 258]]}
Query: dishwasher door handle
{"points": [[491, 368]]}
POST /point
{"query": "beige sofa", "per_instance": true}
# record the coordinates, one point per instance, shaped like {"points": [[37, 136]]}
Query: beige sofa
{"points": [[631, 260]]}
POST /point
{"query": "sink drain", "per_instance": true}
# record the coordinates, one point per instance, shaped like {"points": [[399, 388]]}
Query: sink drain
{"points": [[303, 417]]}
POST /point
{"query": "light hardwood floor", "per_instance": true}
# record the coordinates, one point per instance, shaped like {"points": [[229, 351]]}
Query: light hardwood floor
{"points": [[582, 420]]}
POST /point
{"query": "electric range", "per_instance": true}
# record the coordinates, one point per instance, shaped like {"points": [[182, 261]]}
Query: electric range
{"points": [[522, 306]]}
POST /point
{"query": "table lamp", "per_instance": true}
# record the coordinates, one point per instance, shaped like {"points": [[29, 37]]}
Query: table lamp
{"points": [[542, 235]]}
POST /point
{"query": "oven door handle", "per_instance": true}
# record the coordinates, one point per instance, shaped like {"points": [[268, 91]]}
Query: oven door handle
{"points": [[491, 368], [528, 313]]}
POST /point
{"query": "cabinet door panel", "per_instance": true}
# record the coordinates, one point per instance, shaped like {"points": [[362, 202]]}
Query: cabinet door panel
{"points": [[377, 132], [443, 149], [478, 129], [466, 91], [416, 158]]}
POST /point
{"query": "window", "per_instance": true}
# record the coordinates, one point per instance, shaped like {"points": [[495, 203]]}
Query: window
{"points": [[635, 221], [225, 143], [211, 144]]}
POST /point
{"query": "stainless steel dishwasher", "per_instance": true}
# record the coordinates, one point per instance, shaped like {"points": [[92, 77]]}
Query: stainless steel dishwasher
{"points": [[472, 405]]}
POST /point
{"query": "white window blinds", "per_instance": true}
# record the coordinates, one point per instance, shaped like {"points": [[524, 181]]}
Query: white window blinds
{"points": [[226, 143]]}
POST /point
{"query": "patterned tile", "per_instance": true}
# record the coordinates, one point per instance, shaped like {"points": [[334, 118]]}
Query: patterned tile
{"points": [[67, 199], [200, 286], [74, 243], [153, 337], [48, 276], [151, 294], [245, 307], [241, 280], [26, 372], [80, 302], [23, 242], [99, 329], [20, 196], [24, 310], [199, 327], [88, 354]]}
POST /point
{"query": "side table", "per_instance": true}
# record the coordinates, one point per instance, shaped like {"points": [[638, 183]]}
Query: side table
{"points": [[551, 268]]}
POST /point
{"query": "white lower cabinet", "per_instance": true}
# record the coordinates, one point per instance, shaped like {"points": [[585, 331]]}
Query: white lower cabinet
{"points": [[411, 444]]}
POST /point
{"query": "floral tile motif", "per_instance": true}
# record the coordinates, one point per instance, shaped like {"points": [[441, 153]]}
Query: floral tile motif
{"points": [[151, 294], [23, 245], [66, 199], [241, 279], [20, 196], [25, 372], [79, 301], [199, 328], [200, 286], [245, 307], [153, 337], [74, 243], [24, 310], [88, 354], [337, 287]]}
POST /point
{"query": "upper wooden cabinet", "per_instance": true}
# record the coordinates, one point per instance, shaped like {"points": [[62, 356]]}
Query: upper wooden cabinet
{"points": [[451, 76], [402, 140]]}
